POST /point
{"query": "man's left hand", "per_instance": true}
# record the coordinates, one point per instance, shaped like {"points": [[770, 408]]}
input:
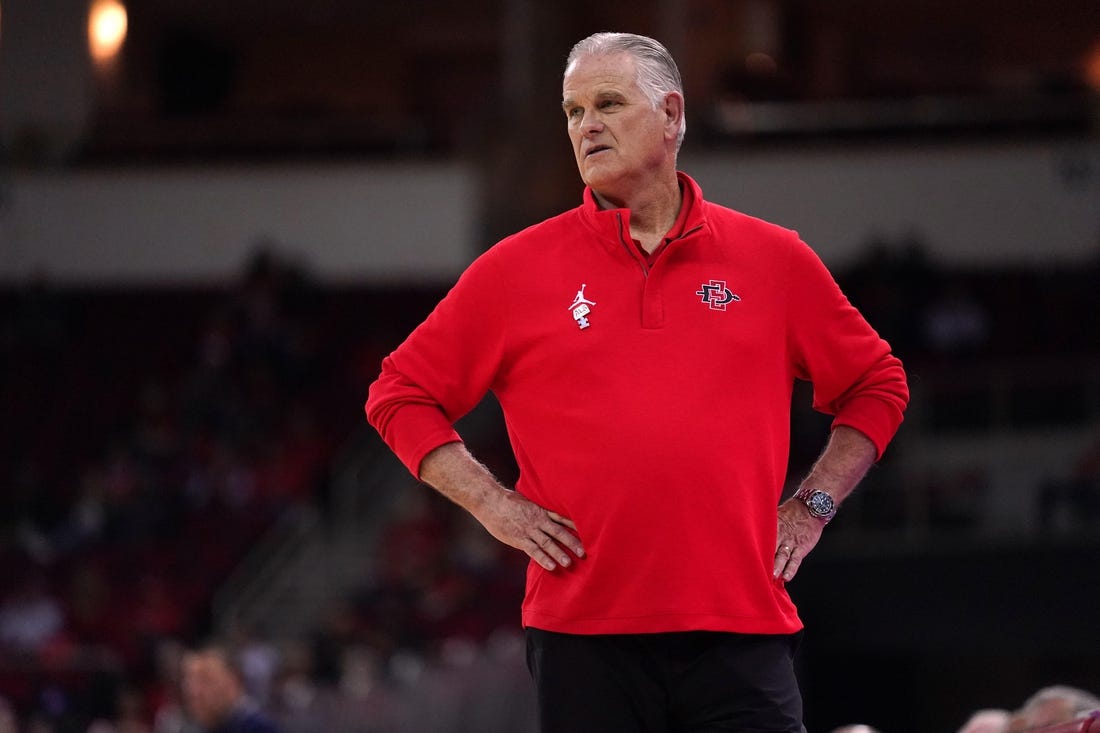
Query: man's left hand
{"points": [[799, 532]]}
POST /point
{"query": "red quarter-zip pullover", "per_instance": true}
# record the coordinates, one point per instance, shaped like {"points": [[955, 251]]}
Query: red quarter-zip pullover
{"points": [[658, 418]]}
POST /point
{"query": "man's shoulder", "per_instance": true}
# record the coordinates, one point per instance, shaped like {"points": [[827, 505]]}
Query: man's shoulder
{"points": [[721, 216], [539, 232], [540, 239]]}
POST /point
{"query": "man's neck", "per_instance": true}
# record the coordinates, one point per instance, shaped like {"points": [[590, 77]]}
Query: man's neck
{"points": [[652, 211]]}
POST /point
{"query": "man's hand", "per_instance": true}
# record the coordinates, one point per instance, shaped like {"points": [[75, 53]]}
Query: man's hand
{"points": [[507, 515], [799, 532], [520, 523], [845, 460]]}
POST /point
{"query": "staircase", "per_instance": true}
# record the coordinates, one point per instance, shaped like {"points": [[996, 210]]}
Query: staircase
{"points": [[307, 561]]}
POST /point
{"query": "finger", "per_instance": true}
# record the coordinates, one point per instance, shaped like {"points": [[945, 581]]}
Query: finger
{"points": [[562, 520], [793, 563], [536, 553], [548, 545], [565, 538], [782, 555]]}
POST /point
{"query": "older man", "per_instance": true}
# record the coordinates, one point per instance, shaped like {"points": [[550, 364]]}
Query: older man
{"points": [[643, 347]]}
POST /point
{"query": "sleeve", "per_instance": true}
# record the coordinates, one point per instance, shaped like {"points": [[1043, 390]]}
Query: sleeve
{"points": [[442, 370], [856, 378]]}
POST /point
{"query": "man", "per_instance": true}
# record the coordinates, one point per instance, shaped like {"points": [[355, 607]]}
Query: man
{"points": [[214, 695], [643, 347]]}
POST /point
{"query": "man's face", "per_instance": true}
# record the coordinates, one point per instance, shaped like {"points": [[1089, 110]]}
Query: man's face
{"points": [[618, 138], [210, 690]]}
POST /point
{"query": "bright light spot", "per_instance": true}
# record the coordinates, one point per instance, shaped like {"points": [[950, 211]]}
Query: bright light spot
{"points": [[106, 28], [1092, 67]]}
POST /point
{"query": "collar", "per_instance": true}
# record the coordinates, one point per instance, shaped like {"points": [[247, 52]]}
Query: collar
{"points": [[688, 195], [612, 226]]}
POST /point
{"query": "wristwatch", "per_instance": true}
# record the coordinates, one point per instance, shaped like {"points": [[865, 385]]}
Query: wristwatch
{"points": [[820, 504]]}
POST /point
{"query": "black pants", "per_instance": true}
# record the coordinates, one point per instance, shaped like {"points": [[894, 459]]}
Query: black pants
{"points": [[696, 681]]}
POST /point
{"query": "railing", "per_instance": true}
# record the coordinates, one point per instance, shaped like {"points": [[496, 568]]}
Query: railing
{"points": [[276, 580], [924, 114], [981, 447], [250, 583]]}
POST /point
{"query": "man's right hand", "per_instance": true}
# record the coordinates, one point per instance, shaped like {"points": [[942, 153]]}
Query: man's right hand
{"points": [[547, 538], [543, 535]]}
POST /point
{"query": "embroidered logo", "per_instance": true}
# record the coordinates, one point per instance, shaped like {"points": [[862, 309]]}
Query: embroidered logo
{"points": [[581, 307], [716, 295]]}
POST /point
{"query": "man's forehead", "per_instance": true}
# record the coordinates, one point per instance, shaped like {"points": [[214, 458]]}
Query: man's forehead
{"points": [[610, 65], [604, 87], [599, 74]]}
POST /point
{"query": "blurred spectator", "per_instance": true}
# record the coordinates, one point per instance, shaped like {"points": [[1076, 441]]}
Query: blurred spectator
{"points": [[855, 729], [29, 618], [955, 323], [163, 693], [298, 703], [989, 720], [1053, 705], [88, 515], [258, 660], [214, 695], [366, 703]]}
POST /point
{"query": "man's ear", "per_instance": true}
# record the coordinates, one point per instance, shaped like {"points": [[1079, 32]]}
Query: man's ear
{"points": [[674, 112]]}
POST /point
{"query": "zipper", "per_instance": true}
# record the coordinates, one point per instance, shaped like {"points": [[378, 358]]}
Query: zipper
{"points": [[633, 251], [652, 309], [630, 248], [694, 229]]}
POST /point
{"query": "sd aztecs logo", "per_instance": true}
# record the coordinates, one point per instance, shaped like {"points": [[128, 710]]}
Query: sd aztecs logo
{"points": [[716, 295]]}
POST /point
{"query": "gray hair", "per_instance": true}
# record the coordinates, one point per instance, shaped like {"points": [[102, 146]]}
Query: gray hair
{"points": [[657, 73], [1080, 701]]}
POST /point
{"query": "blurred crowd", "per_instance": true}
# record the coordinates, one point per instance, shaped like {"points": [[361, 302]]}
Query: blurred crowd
{"points": [[1055, 709], [152, 441], [152, 437]]}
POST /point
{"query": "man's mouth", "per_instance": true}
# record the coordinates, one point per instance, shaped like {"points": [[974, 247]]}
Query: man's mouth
{"points": [[596, 149]]}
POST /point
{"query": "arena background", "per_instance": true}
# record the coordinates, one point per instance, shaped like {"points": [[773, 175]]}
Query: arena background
{"points": [[216, 218]]}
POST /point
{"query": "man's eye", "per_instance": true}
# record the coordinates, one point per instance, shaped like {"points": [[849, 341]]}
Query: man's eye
{"points": [[575, 112]]}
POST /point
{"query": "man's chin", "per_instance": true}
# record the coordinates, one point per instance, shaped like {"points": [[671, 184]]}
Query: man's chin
{"points": [[598, 177]]}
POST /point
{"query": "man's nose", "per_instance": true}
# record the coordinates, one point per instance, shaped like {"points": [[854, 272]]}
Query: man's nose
{"points": [[591, 122]]}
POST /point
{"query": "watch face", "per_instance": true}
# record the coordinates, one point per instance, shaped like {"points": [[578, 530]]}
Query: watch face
{"points": [[820, 503]]}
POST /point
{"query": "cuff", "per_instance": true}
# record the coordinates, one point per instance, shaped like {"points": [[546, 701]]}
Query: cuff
{"points": [[415, 430], [877, 419]]}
